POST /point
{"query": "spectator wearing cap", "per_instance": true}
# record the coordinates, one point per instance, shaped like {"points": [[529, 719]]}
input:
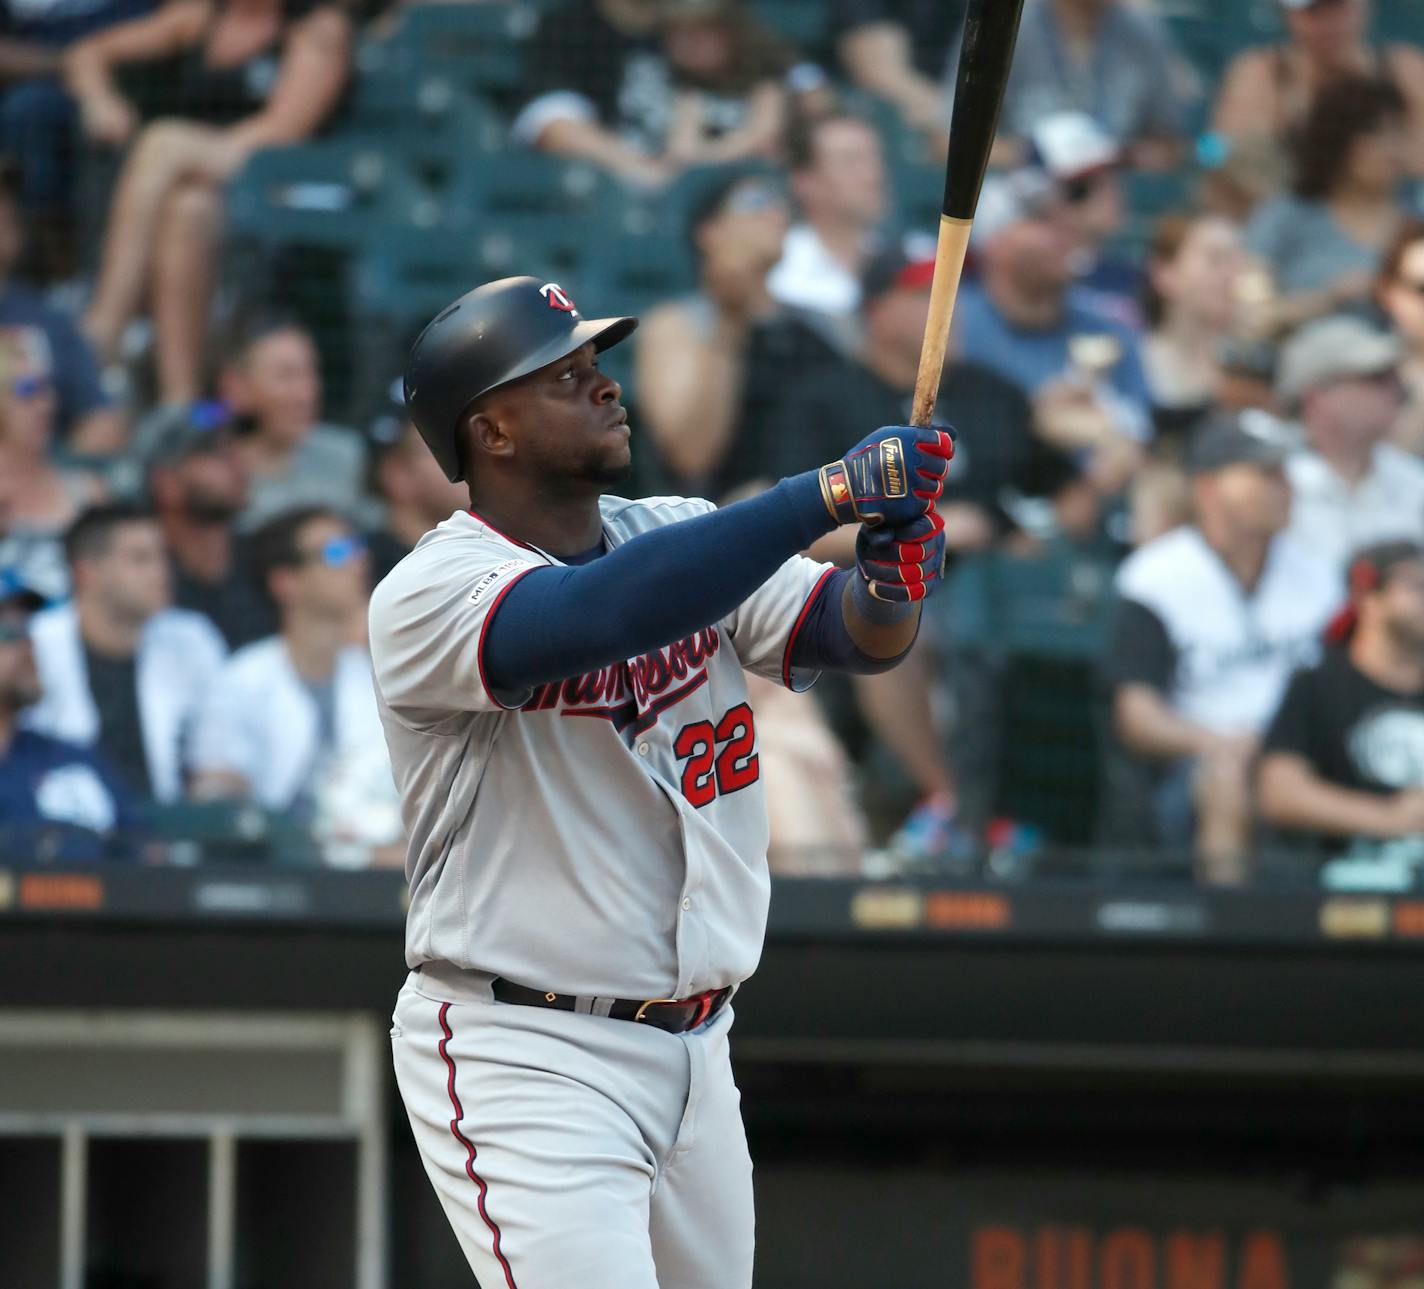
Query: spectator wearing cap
{"points": [[197, 484], [837, 170], [406, 476], [708, 363], [1213, 618], [1084, 161], [1268, 92], [1197, 272], [83, 416], [122, 670], [1342, 764], [286, 711], [58, 800], [1352, 487], [900, 51], [272, 382], [1025, 319], [1323, 242], [1111, 60]]}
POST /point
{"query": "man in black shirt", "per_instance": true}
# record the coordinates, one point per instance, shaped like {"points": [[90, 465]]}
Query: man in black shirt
{"points": [[1342, 771], [997, 456], [198, 485]]}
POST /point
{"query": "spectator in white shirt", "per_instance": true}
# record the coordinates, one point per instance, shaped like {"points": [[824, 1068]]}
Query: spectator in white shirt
{"points": [[291, 722], [838, 180], [1214, 617], [122, 670], [1352, 488]]}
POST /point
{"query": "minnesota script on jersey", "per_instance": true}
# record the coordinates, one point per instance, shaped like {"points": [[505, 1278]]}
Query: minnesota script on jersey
{"points": [[601, 835]]}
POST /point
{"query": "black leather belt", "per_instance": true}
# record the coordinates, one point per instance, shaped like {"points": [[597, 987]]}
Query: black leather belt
{"points": [[676, 1015]]}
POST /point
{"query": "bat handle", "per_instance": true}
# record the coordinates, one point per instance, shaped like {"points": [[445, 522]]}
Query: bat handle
{"points": [[949, 266]]}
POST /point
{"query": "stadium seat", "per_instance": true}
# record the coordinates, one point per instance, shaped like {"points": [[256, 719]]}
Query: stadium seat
{"points": [[802, 22], [476, 45]]}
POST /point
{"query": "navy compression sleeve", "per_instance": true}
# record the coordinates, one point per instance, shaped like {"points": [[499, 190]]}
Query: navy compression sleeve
{"points": [[824, 644], [662, 585]]}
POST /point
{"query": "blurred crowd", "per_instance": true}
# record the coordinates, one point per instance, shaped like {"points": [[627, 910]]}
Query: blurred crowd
{"points": [[1185, 622]]}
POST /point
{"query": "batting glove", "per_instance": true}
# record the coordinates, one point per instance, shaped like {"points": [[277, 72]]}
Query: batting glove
{"points": [[903, 564], [890, 477]]}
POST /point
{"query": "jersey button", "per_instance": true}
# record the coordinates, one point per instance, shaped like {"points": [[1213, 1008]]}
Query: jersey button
{"points": [[687, 901], [642, 749]]}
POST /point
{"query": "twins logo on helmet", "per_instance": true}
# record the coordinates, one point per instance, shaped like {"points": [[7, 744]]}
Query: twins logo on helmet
{"points": [[558, 298]]}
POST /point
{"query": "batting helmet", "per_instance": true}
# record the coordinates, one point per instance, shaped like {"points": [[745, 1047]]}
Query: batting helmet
{"points": [[495, 334]]}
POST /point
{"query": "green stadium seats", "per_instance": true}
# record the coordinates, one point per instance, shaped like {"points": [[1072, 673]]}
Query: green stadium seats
{"points": [[477, 46], [802, 22]]}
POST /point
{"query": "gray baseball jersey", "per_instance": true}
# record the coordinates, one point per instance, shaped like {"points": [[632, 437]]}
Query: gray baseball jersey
{"points": [[603, 835]]}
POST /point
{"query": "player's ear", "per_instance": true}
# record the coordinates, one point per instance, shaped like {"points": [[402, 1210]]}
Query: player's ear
{"points": [[485, 432]]}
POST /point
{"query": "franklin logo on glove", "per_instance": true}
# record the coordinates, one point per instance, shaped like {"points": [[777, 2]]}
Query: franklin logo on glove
{"points": [[892, 462]]}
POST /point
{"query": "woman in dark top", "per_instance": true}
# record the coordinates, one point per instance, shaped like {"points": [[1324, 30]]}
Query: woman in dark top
{"points": [[1271, 90], [246, 75]]}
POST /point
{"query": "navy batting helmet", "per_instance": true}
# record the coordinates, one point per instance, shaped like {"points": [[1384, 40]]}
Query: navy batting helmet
{"points": [[495, 334]]}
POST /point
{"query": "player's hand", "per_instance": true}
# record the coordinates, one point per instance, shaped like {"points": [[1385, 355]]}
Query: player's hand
{"points": [[902, 564], [891, 477]]}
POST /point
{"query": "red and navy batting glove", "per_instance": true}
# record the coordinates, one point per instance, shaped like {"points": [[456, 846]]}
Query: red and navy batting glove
{"points": [[904, 564], [890, 477]]}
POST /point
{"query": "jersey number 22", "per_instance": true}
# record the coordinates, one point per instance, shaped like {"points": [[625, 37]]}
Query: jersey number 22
{"points": [[719, 758]]}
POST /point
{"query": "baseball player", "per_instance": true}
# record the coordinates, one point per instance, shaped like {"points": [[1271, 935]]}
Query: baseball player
{"points": [[560, 678]]}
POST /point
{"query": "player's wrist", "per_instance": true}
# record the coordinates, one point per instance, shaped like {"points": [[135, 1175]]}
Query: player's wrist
{"points": [[803, 493]]}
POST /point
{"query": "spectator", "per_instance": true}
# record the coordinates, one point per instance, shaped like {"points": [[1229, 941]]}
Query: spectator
{"points": [[121, 670], [1084, 162], [250, 76], [1271, 91], [644, 89], [1400, 292], [728, 72], [1196, 270], [838, 180], [198, 487], [1351, 486], [83, 416], [1213, 618], [272, 381], [37, 117], [407, 477], [707, 364], [1025, 319], [1324, 243], [287, 710], [998, 454], [1109, 59], [900, 51], [57, 800], [36, 557], [45, 498], [1342, 765]]}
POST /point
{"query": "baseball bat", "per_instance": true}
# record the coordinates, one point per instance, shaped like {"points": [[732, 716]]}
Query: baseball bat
{"points": [[990, 29]]}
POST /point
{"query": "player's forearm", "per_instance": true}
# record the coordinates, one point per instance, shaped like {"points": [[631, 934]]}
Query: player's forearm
{"points": [[884, 636], [835, 634], [663, 585]]}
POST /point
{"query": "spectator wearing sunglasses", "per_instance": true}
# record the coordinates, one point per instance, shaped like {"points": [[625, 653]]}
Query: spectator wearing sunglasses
{"points": [[1352, 487], [122, 669], [272, 382], [709, 363], [1400, 293], [83, 416], [45, 497], [287, 711], [58, 801]]}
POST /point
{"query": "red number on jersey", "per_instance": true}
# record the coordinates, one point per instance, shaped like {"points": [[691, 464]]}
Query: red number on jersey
{"points": [[696, 743], [736, 764]]}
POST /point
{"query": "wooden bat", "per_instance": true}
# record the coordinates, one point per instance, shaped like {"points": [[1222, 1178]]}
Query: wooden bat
{"points": [[990, 29]]}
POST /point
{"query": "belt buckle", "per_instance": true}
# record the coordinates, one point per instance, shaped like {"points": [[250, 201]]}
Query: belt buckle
{"points": [[703, 1000]]}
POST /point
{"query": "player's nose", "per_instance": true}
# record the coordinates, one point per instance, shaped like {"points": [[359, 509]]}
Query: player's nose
{"points": [[607, 390]]}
